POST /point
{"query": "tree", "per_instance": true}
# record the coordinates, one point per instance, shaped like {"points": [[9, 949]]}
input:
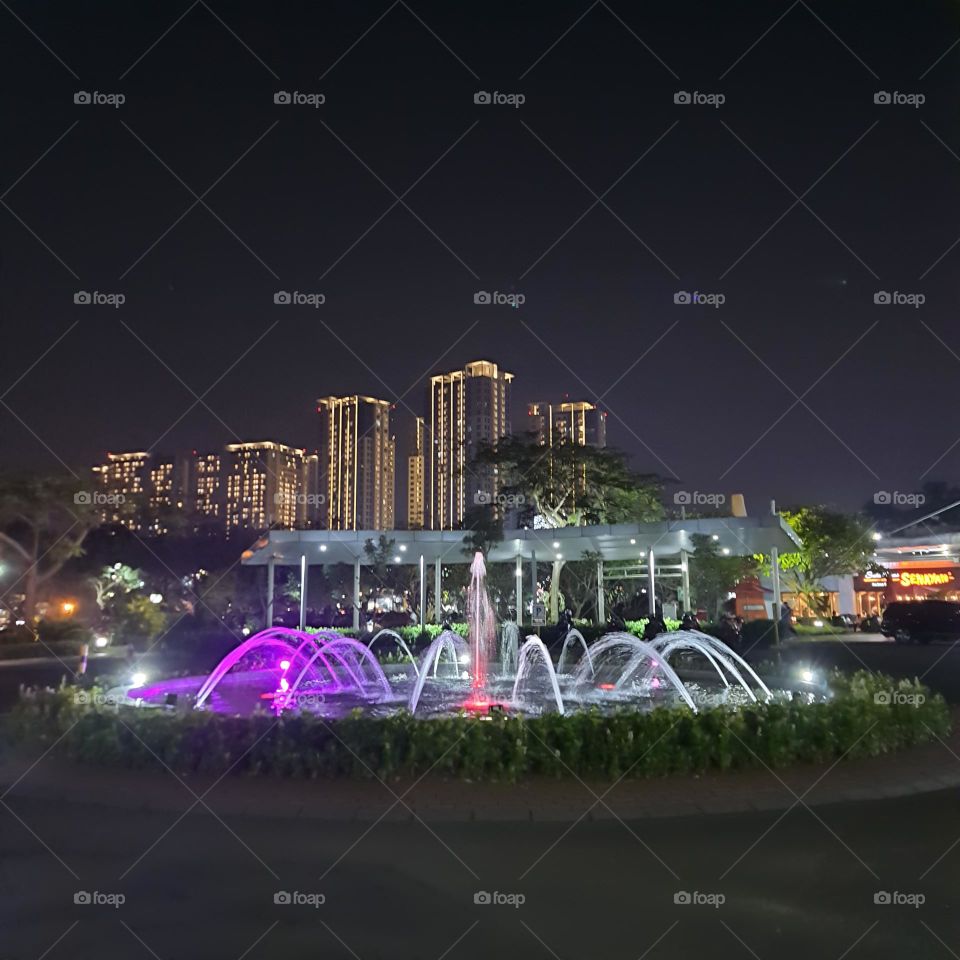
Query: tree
{"points": [[713, 575], [834, 544], [43, 523], [578, 584], [570, 484], [485, 527]]}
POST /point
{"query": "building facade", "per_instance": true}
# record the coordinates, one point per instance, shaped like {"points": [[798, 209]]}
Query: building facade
{"points": [[578, 422], [122, 489], [468, 408], [416, 478], [357, 464], [268, 485]]}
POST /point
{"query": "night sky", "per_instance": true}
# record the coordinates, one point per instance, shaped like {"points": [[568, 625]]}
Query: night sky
{"points": [[693, 197]]}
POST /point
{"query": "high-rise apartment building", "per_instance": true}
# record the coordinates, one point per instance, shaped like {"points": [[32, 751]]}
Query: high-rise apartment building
{"points": [[122, 486], [268, 485], [205, 497], [416, 478], [578, 422], [468, 408], [358, 463]]}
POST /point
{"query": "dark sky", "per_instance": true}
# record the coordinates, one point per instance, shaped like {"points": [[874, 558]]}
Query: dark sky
{"points": [[704, 204]]}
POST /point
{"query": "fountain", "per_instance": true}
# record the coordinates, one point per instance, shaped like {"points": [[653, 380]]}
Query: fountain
{"points": [[284, 669]]}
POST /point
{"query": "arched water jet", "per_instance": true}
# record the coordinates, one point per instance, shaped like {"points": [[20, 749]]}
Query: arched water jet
{"points": [[400, 642], [572, 635], [447, 640], [721, 648], [712, 657], [640, 650], [535, 647]]}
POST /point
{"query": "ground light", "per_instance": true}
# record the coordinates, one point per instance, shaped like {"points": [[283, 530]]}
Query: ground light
{"points": [[138, 679], [100, 642]]}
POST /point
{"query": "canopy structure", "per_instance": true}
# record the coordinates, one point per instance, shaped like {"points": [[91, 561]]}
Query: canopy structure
{"points": [[635, 545]]}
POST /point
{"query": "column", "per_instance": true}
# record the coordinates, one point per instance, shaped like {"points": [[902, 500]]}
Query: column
{"points": [[303, 591], [437, 583], [651, 584], [356, 593], [601, 605], [533, 574], [271, 590], [423, 593]]}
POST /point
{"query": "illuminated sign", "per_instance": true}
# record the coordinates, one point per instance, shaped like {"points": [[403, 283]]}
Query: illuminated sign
{"points": [[910, 578]]}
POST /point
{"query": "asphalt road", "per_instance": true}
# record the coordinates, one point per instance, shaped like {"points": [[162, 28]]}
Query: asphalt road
{"points": [[798, 885]]}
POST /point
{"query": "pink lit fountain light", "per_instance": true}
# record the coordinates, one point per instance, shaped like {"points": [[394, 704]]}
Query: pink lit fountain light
{"points": [[483, 636]]}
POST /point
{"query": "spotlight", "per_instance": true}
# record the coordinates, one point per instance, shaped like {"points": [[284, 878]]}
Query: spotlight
{"points": [[138, 679], [100, 642]]}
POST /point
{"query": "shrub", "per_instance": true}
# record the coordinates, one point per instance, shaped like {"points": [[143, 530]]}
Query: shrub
{"points": [[868, 715]]}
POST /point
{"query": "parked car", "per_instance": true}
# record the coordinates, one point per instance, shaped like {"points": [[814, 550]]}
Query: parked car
{"points": [[922, 621]]}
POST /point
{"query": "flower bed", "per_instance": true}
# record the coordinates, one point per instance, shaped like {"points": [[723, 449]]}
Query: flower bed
{"points": [[868, 715]]}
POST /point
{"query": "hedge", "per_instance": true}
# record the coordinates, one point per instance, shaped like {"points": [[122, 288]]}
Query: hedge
{"points": [[868, 715]]}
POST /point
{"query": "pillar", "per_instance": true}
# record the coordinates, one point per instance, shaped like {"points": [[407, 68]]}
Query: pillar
{"points": [[533, 574], [356, 593], [423, 593], [651, 584], [271, 590], [601, 605], [303, 591], [775, 577], [437, 583]]}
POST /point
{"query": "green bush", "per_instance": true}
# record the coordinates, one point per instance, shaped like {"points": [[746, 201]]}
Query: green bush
{"points": [[868, 715]]}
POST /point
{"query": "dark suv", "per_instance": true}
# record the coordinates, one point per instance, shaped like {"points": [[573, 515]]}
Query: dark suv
{"points": [[922, 621]]}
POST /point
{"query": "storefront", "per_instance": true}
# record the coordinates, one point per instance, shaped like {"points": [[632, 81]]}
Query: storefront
{"points": [[907, 580]]}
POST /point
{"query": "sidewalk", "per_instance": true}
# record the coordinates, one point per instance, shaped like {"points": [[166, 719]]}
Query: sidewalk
{"points": [[923, 769]]}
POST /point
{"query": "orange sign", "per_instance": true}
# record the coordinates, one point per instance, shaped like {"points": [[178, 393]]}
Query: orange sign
{"points": [[911, 578]]}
